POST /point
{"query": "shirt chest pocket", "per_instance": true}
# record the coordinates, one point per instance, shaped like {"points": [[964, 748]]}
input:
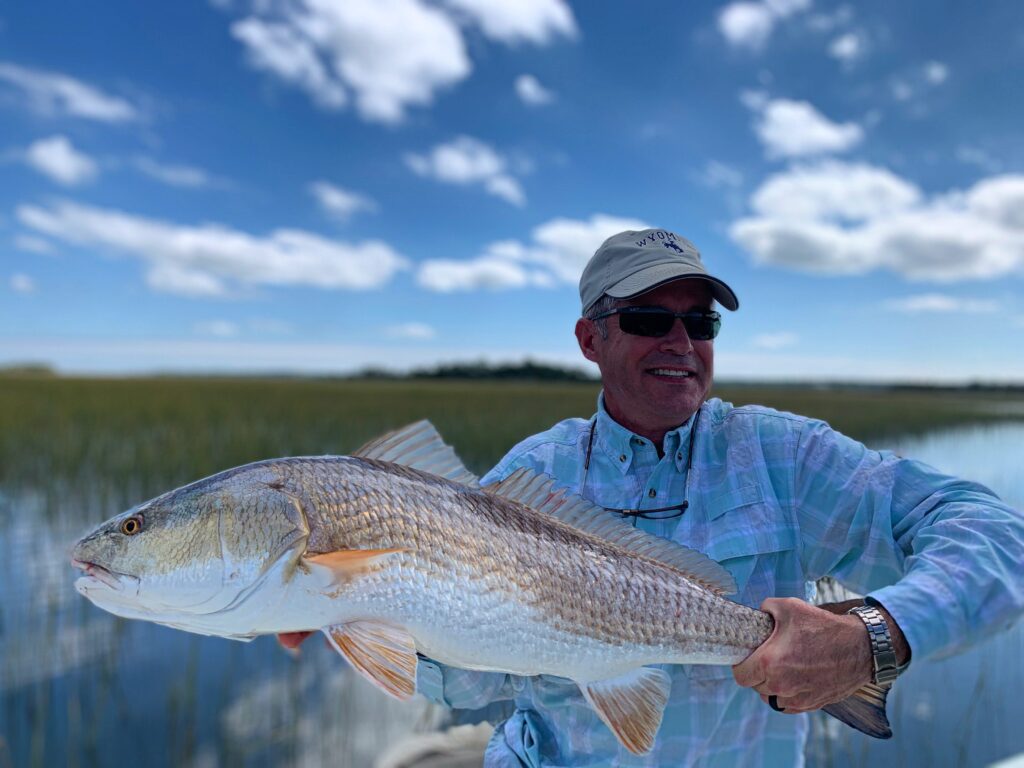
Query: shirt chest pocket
{"points": [[754, 540]]}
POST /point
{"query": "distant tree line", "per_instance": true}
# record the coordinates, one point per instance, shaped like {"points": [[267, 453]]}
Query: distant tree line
{"points": [[525, 371]]}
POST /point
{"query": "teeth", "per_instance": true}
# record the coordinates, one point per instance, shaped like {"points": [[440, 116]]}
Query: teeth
{"points": [[669, 372]]}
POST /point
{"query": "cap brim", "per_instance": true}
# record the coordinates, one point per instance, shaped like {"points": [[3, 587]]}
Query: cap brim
{"points": [[648, 279]]}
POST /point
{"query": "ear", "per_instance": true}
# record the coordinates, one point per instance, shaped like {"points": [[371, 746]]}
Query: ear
{"points": [[588, 337]]}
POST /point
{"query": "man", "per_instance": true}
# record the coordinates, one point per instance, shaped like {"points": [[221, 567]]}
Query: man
{"points": [[778, 499]]}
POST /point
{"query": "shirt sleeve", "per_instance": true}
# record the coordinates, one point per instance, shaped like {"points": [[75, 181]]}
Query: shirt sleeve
{"points": [[460, 688], [941, 554]]}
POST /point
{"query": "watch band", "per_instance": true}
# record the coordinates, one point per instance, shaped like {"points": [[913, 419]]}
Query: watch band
{"points": [[883, 654]]}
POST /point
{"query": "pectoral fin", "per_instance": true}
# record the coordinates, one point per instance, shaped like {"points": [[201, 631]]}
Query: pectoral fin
{"points": [[383, 654], [631, 705], [343, 564]]}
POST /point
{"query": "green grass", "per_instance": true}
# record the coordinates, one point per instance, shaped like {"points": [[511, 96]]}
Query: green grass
{"points": [[153, 431]]}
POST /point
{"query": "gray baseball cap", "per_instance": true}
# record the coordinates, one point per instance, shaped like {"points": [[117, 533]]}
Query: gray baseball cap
{"points": [[631, 263]]}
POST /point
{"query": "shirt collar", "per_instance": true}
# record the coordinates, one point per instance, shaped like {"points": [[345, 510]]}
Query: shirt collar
{"points": [[619, 443]]}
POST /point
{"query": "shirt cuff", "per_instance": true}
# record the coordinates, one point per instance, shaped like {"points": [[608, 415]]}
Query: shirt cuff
{"points": [[926, 612], [430, 680]]}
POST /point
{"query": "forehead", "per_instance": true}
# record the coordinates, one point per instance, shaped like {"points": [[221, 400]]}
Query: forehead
{"points": [[685, 294]]}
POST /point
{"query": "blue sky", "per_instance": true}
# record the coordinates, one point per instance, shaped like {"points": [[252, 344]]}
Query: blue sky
{"points": [[318, 186]]}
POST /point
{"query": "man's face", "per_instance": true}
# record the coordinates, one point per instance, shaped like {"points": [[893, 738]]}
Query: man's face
{"points": [[652, 385]]}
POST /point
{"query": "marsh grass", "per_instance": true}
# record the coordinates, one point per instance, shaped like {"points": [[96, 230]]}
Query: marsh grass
{"points": [[139, 433]]}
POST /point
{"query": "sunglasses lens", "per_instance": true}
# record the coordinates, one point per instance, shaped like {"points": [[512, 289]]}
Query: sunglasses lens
{"points": [[646, 323], [703, 327], [699, 327]]}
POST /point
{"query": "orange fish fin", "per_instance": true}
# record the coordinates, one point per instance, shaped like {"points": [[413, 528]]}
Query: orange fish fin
{"points": [[346, 563], [631, 705], [382, 653]]}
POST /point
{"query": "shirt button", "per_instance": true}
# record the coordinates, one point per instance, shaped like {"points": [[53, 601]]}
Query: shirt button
{"points": [[622, 457], [652, 493], [679, 457]]}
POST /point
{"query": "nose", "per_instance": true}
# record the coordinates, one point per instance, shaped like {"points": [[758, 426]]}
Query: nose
{"points": [[677, 341]]}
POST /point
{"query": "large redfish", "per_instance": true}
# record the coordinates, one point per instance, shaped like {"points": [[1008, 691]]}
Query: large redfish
{"points": [[397, 549]]}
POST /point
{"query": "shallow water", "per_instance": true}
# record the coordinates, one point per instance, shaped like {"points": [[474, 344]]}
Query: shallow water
{"points": [[963, 710], [79, 687]]}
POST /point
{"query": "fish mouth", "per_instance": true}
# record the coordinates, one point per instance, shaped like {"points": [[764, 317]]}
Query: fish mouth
{"points": [[95, 573]]}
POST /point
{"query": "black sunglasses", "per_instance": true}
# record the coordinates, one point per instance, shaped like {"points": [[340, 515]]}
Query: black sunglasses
{"points": [[658, 321]]}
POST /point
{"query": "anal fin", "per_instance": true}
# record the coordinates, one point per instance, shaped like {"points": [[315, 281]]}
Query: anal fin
{"points": [[631, 705], [382, 653]]}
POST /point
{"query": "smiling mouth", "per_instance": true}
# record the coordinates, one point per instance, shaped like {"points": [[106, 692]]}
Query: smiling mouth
{"points": [[671, 373], [99, 573]]}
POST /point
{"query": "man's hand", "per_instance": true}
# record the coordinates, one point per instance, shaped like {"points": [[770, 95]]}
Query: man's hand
{"points": [[813, 657]]}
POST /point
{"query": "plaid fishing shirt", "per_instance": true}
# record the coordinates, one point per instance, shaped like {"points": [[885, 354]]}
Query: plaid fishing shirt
{"points": [[780, 501]]}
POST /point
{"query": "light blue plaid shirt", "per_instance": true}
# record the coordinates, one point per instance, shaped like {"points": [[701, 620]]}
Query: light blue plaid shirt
{"points": [[780, 500]]}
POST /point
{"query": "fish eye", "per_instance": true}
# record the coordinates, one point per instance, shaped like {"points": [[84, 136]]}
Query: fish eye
{"points": [[132, 525]]}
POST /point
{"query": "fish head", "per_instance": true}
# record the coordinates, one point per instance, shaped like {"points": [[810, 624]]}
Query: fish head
{"points": [[191, 552]]}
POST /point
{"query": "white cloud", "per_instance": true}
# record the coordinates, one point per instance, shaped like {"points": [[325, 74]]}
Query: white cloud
{"points": [[750, 24], [941, 303], [466, 161], [901, 90], [532, 92], [386, 55], [978, 157], [532, 21], [557, 253], [33, 244], [208, 260], [773, 341], [340, 203], [51, 93], [803, 222], [483, 273], [221, 329], [789, 128], [1000, 199], [57, 158], [719, 175], [282, 50], [827, 22], [418, 331], [935, 72], [847, 48], [22, 283], [173, 175], [833, 191]]}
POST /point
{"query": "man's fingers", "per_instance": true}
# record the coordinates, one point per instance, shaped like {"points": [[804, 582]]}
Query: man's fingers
{"points": [[748, 672], [292, 640]]}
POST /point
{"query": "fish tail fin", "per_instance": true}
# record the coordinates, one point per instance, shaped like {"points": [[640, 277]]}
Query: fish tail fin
{"points": [[865, 711]]}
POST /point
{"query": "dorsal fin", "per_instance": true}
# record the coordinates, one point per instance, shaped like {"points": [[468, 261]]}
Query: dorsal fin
{"points": [[419, 446], [539, 492]]}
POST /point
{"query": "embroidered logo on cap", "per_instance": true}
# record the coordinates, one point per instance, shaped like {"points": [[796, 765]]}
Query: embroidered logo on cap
{"points": [[673, 246]]}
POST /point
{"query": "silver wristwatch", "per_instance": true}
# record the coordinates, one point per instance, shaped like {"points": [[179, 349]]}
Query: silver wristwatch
{"points": [[883, 654]]}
